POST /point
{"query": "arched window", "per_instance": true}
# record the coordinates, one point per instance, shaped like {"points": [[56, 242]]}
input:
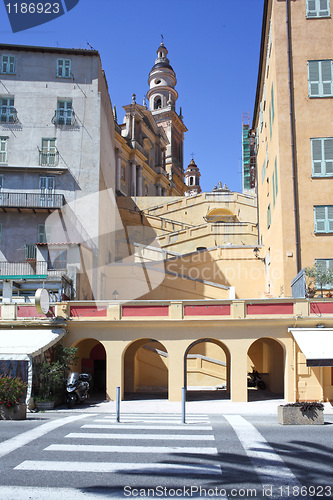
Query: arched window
{"points": [[191, 181], [157, 103]]}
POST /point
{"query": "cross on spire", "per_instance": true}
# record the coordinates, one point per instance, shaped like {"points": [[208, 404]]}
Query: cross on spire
{"points": [[162, 38]]}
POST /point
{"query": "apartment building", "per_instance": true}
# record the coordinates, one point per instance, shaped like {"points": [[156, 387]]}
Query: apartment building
{"points": [[294, 139], [57, 148]]}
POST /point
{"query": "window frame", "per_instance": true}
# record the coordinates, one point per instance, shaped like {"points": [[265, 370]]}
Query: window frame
{"points": [[65, 112], [316, 12], [48, 151], [62, 67], [9, 63], [4, 152], [326, 222], [9, 109], [320, 82], [323, 161]]}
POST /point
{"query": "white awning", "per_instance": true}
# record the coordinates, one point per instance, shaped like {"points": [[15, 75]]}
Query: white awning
{"points": [[316, 345], [24, 344]]}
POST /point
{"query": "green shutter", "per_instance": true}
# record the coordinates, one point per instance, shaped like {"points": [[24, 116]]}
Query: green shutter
{"points": [[328, 156], [41, 233], [273, 188], [316, 150], [313, 72], [263, 172], [270, 122], [272, 99], [329, 225], [276, 177]]}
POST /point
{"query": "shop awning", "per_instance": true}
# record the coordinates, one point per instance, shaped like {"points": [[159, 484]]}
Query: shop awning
{"points": [[316, 345], [24, 344]]}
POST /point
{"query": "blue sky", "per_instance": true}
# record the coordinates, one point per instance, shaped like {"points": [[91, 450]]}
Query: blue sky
{"points": [[213, 47]]}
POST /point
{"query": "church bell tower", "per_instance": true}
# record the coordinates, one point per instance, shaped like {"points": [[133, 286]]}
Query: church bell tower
{"points": [[162, 97]]}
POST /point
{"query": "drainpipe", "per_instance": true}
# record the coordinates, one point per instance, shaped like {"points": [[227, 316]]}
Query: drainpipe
{"points": [[293, 136]]}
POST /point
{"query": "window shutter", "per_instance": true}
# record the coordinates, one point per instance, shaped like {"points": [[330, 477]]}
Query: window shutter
{"points": [[276, 177], [313, 68], [328, 156], [274, 189], [324, 9], [326, 76], [320, 219], [329, 219], [0, 234], [60, 64], [67, 68], [316, 156], [41, 233], [311, 8], [272, 99], [50, 183], [42, 183]]}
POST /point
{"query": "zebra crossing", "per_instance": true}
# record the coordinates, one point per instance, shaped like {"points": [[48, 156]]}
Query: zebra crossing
{"points": [[155, 445]]}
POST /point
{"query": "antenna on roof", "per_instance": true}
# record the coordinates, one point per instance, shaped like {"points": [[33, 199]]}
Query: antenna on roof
{"points": [[90, 46]]}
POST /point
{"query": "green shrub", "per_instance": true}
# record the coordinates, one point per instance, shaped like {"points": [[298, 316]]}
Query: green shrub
{"points": [[11, 390]]}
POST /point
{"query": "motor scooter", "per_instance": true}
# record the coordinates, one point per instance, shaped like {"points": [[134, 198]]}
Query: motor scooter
{"points": [[254, 380], [77, 388]]}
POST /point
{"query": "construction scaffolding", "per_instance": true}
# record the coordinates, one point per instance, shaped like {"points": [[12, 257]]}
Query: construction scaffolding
{"points": [[248, 154]]}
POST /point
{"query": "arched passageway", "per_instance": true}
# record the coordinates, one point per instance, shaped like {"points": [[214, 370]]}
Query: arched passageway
{"points": [[146, 370], [207, 370], [266, 355], [92, 360]]}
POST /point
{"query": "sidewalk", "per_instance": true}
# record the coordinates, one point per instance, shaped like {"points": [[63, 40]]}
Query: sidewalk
{"points": [[163, 407]]}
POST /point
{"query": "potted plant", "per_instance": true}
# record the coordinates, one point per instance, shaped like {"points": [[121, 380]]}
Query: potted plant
{"points": [[11, 392], [49, 377], [301, 413], [318, 276]]}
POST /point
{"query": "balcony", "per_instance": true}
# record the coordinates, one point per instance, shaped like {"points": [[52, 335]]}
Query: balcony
{"points": [[31, 200], [64, 117], [23, 270], [48, 158]]}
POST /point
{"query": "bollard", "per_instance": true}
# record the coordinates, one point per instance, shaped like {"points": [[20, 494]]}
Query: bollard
{"points": [[183, 404], [118, 405]]}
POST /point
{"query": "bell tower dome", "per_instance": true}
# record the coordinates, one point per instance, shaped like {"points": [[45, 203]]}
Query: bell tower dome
{"points": [[162, 97], [162, 81], [192, 179]]}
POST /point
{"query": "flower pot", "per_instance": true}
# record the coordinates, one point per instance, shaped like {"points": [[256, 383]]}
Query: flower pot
{"points": [[294, 415], [17, 412], [44, 405]]}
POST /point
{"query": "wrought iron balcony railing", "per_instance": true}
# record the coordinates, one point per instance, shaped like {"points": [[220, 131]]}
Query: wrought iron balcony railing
{"points": [[31, 200], [8, 114], [48, 158], [64, 117]]}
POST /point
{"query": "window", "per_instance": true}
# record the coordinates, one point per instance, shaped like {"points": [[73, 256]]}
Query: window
{"points": [[261, 116], [273, 182], [276, 178], [324, 265], [320, 78], [44, 233], [0, 234], [317, 8], [65, 113], [8, 113], [269, 216], [46, 187], [49, 154], [57, 259], [323, 216], [157, 103], [322, 156], [64, 68], [263, 172], [3, 149], [272, 99], [8, 65]]}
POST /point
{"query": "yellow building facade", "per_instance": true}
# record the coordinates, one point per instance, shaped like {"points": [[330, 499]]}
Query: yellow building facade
{"points": [[293, 124]]}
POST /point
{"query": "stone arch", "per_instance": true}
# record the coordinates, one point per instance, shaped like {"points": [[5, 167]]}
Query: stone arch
{"points": [[207, 366], [146, 368], [92, 359], [267, 356]]}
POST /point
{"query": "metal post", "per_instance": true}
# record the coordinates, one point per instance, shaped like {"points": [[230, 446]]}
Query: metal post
{"points": [[118, 405], [183, 404]]}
